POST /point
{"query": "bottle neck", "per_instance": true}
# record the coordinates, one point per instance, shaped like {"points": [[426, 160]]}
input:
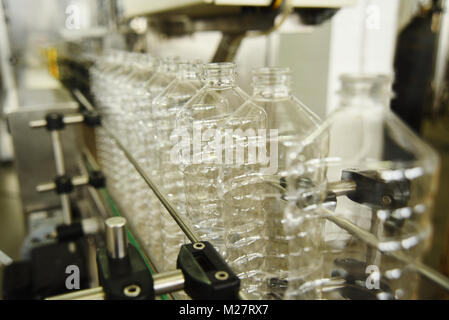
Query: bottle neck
{"points": [[220, 75], [188, 71], [271, 83], [366, 90], [278, 91]]}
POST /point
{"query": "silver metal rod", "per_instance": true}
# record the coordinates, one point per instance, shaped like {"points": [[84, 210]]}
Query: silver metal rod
{"points": [[81, 98], [66, 209], [57, 151], [168, 282], [341, 188], [91, 225], [44, 187], [80, 181], [87, 294], [38, 123], [60, 170], [373, 241], [69, 119], [90, 159], [72, 119], [116, 237]]}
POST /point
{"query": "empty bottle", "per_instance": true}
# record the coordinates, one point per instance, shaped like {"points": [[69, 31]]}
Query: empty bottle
{"points": [[146, 205], [360, 217], [165, 107], [200, 120], [272, 121]]}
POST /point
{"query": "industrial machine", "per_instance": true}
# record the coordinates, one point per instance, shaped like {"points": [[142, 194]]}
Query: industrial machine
{"points": [[79, 243]]}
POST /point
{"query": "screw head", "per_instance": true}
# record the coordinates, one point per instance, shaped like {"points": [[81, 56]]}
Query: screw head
{"points": [[221, 275], [132, 291], [199, 245]]}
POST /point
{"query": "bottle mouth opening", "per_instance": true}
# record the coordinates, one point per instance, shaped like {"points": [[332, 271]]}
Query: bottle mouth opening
{"points": [[188, 68], [366, 82], [220, 71], [271, 76], [220, 66]]}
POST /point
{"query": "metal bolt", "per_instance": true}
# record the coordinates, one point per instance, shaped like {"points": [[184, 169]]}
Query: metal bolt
{"points": [[199, 245], [132, 290], [221, 275]]}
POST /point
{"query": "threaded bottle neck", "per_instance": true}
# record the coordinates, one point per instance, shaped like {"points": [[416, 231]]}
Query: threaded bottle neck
{"points": [[188, 70], [271, 82], [221, 74]]}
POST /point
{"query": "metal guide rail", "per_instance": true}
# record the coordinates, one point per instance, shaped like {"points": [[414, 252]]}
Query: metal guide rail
{"points": [[334, 188]]}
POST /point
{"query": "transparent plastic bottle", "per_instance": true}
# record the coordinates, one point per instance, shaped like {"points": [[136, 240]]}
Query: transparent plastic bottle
{"points": [[376, 186], [108, 89], [146, 206], [257, 247], [200, 119], [136, 191], [165, 107]]}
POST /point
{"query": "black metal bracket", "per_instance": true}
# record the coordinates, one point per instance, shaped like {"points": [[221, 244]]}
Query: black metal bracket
{"points": [[207, 275], [125, 279], [372, 190]]}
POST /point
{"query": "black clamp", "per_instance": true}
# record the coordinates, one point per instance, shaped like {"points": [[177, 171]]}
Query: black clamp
{"points": [[372, 190], [125, 278], [207, 275], [91, 118], [54, 121], [69, 232], [97, 179], [63, 184]]}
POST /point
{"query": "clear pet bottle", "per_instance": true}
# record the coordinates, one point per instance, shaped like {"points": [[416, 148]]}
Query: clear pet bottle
{"points": [[268, 124], [360, 217], [199, 121], [165, 108], [146, 206]]}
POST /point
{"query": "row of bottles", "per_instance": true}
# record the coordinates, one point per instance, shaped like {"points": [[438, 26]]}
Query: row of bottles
{"points": [[278, 192]]}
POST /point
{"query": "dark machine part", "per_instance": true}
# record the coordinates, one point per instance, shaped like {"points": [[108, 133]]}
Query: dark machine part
{"points": [[69, 232], [122, 272], [74, 74], [97, 179], [355, 276], [45, 274], [207, 276], [55, 121], [371, 190], [413, 66], [315, 16], [376, 193], [91, 118], [126, 278], [63, 184]]}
